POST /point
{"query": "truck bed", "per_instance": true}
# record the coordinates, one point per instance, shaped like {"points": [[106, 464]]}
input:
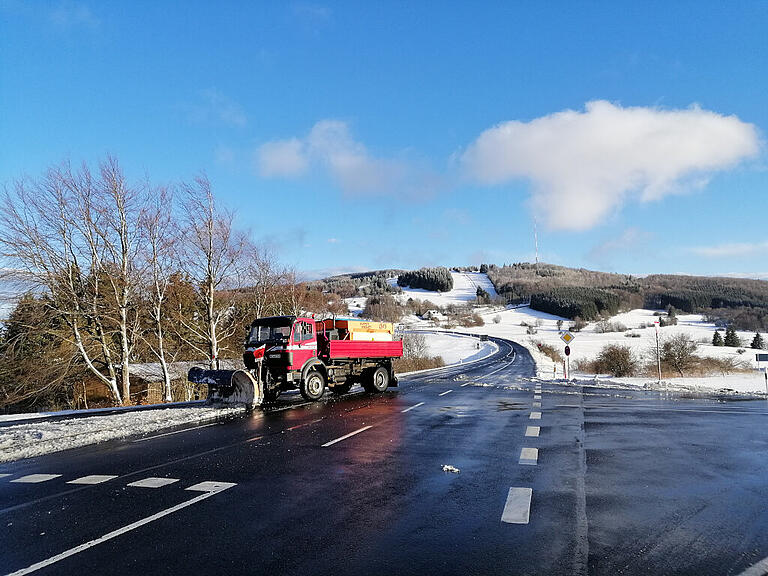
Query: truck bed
{"points": [[340, 349]]}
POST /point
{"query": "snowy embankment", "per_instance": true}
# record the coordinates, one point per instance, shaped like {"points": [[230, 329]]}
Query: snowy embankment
{"points": [[457, 349], [36, 438]]}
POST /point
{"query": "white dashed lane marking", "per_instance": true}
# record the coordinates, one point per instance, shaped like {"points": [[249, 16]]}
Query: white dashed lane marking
{"points": [[332, 442], [215, 488], [36, 478], [532, 431], [535, 416], [211, 486], [537, 396], [446, 392], [412, 407], [153, 482], [92, 479], [529, 456], [537, 404], [4, 475], [465, 384], [517, 509]]}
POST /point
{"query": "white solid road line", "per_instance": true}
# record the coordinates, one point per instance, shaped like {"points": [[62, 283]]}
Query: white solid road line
{"points": [[446, 392], [529, 456], [153, 482], [412, 407], [517, 510], [465, 384], [535, 416], [4, 475], [176, 432], [332, 442], [92, 479], [532, 431], [36, 478], [120, 531]]}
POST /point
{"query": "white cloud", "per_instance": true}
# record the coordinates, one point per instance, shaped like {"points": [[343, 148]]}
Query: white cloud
{"points": [[330, 146], [283, 158], [731, 250], [584, 165]]}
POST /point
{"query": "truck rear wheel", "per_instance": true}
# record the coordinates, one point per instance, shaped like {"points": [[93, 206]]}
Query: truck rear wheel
{"points": [[377, 381], [313, 386]]}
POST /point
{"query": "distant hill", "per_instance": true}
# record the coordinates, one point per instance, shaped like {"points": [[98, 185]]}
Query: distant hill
{"points": [[589, 293]]}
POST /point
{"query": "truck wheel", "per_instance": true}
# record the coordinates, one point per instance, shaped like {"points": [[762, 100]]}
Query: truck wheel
{"points": [[340, 389], [313, 386], [377, 381]]}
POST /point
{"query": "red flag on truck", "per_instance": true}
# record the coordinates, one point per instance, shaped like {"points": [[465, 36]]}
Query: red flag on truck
{"points": [[259, 352]]}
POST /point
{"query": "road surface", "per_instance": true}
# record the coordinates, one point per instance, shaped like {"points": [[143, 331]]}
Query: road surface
{"points": [[547, 479]]}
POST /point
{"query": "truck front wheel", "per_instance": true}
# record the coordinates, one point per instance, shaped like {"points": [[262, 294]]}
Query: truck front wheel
{"points": [[377, 381], [313, 386]]}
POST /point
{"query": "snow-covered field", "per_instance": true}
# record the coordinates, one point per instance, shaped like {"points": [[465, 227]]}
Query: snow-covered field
{"points": [[36, 438], [588, 343], [465, 285]]}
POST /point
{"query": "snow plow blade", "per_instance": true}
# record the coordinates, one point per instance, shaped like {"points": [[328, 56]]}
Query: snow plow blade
{"points": [[229, 386]]}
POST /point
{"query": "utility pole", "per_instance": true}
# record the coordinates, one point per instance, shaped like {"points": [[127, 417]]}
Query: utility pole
{"points": [[536, 244]]}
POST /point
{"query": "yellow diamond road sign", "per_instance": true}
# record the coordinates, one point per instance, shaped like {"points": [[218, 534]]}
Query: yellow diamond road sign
{"points": [[567, 337]]}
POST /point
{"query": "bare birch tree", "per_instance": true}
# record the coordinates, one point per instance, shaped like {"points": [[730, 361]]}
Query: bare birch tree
{"points": [[41, 234], [214, 260], [159, 233]]}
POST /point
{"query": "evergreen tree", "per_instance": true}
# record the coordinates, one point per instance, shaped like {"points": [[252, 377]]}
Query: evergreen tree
{"points": [[731, 338], [757, 342], [717, 339]]}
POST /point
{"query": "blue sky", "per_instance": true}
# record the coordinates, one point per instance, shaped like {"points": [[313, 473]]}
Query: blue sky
{"points": [[369, 135]]}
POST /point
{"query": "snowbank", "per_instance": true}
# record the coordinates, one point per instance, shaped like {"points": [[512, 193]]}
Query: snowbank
{"points": [[37, 438]]}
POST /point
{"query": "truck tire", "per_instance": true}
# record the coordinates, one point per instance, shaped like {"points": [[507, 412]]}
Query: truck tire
{"points": [[377, 380], [312, 386]]}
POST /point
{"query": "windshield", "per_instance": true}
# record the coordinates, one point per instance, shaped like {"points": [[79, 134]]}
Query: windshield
{"points": [[262, 333]]}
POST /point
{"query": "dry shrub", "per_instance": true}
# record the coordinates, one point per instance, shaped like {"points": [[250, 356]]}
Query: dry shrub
{"points": [[548, 350]]}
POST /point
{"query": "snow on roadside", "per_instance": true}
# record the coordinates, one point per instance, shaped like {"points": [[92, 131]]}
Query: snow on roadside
{"points": [[38, 438], [454, 348]]}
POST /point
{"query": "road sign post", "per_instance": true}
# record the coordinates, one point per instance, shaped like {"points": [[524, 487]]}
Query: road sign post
{"points": [[567, 337]]}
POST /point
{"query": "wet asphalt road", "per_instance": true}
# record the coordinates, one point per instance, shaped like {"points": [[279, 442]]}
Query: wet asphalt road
{"points": [[625, 482]]}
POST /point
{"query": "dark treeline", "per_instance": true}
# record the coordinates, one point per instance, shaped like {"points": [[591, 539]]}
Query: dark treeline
{"points": [[435, 279], [572, 301], [741, 302]]}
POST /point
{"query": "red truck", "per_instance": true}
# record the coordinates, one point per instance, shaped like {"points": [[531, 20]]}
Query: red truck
{"points": [[288, 352]]}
